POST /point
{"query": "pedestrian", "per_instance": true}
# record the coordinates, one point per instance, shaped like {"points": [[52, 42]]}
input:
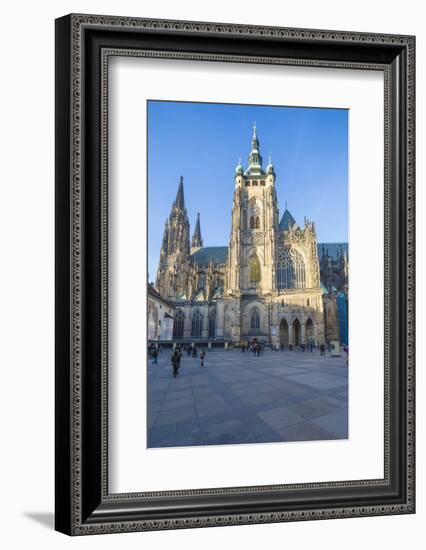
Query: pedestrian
{"points": [[154, 355], [176, 362], [202, 355], [322, 349], [194, 351]]}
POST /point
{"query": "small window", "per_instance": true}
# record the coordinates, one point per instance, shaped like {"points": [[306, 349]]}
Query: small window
{"points": [[255, 183], [247, 184], [307, 302], [262, 182], [257, 222]]}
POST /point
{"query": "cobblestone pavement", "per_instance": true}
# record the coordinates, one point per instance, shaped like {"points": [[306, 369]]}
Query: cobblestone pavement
{"points": [[239, 398]]}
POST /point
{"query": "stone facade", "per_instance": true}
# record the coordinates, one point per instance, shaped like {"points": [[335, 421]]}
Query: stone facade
{"points": [[266, 284], [161, 315]]}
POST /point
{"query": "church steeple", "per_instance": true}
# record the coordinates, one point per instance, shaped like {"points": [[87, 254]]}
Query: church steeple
{"points": [[255, 158], [180, 199], [171, 274], [197, 240]]}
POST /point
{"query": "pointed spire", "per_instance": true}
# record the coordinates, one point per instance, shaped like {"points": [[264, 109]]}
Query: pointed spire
{"points": [[270, 167], [239, 168], [255, 158], [254, 140], [197, 241], [180, 200]]}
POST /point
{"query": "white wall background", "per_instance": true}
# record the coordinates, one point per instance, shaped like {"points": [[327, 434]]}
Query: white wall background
{"points": [[27, 244]]}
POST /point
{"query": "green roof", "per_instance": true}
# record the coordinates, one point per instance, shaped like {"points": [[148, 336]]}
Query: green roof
{"points": [[215, 254]]}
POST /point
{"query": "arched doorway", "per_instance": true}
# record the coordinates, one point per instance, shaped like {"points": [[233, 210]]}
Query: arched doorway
{"points": [[310, 333], [296, 332], [284, 333]]}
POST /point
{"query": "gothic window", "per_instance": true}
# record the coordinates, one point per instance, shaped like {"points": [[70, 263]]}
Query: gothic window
{"points": [[291, 272], [257, 222], [255, 319], [212, 323], [254, 265], [252, 222], [178, 325], [197, 324]]}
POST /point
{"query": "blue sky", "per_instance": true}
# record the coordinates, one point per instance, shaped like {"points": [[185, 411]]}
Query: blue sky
{"points": [[202, 142]]}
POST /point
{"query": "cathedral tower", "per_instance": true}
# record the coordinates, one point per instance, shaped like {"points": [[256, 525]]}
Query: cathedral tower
{"points": [[254, 228], [197, 241], [172, 270]]}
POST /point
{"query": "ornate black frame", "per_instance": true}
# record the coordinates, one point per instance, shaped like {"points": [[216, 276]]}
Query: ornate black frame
{"points": [[83, 45]]}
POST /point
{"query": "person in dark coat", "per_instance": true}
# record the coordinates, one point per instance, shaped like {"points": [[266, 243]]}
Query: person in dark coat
{"points": [[176, 362], [154, 355], [202, 356]]}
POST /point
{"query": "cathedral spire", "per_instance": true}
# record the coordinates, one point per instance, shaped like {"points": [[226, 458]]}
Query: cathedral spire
{"points": [[197, 241], [255, 158], [254, 139], [180, 200]]}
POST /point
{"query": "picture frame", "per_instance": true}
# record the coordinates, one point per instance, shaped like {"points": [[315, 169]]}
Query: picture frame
{"points": [[84, 504]]}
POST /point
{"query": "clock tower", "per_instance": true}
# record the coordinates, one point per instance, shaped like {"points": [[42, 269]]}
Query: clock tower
{"points": [[254, 228]]}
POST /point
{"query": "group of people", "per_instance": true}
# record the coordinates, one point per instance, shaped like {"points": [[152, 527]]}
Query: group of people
{"points": [[191, 349], [255, 347]]}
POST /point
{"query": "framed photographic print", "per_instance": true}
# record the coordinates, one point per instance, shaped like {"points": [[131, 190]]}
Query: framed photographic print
{"points": [[234, 274]]}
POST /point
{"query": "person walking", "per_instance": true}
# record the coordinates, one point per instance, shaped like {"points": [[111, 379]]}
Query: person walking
{"points": [[322, 349], [176, 362], [154, 355], [202, 356]]}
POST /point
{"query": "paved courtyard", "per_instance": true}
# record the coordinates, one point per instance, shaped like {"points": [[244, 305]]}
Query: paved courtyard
{"points": [[239, 398]]}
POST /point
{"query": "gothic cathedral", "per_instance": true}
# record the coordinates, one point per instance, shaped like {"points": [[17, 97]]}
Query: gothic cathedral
{"points": [[265, 285]]}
